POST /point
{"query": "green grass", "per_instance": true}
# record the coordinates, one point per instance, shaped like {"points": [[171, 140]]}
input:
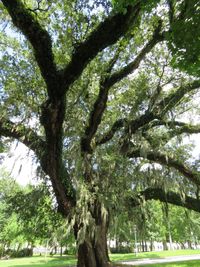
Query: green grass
{"points": [[56, 261], [38, 261], [160, 254]]}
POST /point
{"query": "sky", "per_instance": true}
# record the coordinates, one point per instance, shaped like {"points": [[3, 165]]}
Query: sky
{"points": [[20, 164]]}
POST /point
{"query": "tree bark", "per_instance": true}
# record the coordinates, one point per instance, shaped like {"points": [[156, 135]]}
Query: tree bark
{"points": [[93, 251]]}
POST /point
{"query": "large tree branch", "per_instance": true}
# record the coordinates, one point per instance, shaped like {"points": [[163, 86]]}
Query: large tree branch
{"points": [[105, 85], [130, 126], [133, 65], [95, 118], [169, 197], [62, 188], [109, 135], [164, 159], [183, 128], [158, 112], [23, 134], [106, 34], [174, 128], [173, 99], [39, 39], [162, 107]]}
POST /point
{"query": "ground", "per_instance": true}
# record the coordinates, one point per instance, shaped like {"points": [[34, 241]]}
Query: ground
{"points": [[57, 261]]}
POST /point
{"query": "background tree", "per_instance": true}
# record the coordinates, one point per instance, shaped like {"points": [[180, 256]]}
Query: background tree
{"points": [[10, 230], [71, 93], [28, 217]]}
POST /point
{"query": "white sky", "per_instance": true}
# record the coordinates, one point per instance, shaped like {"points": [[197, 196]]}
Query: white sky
{"points": [[19, 163]]}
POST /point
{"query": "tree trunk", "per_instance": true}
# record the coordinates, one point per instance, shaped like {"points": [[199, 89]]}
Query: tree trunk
{"points": [[165, 244], [92, 255], [142, 245], [93, 251]]}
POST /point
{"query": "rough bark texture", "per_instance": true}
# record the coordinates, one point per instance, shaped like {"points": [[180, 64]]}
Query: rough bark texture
{"points": [[93, 251]]}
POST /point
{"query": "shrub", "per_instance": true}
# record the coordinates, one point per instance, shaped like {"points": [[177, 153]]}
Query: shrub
{"points": [[25, 252]]}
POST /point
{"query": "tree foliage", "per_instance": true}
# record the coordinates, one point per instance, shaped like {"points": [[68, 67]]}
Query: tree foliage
{"points": [[92, 89], [184, 36]]}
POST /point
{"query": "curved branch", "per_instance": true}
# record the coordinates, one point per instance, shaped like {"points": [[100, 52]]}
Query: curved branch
{"points": [[163, 159], [62, 188], [106, 34], [131, 126], [184, 128], [105, 85], [157, 113], [119, 75], [162, 107], [172, 99], [39, 39], [170, 197], [25, 135], [175, 128], [109, 135], [95, 119]]}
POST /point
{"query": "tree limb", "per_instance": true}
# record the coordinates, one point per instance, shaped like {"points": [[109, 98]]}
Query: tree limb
{"points": [[106, 34], [172, 99], [109, 135], [175, 128], [164, 159], [155, 116], [169, 197], [105, 85], [29, 138], [39, 39], [119, 75], [25, 135]]}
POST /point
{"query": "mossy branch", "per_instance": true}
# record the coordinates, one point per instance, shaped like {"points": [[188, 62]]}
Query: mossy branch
{"points": [[166, 160], [165, 196], [23, 134]]}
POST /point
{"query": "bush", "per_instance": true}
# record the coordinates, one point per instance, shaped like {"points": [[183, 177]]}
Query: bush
{"points": [[70, 250], [25, 252], [121, 249], [2, 251]]}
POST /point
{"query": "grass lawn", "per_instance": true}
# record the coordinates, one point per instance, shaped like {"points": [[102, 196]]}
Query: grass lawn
{"points": [[154, 254], [56, 261], [39, 261]]}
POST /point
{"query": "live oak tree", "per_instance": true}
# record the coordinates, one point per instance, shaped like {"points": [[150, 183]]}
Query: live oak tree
{"points": [[91, 88]]}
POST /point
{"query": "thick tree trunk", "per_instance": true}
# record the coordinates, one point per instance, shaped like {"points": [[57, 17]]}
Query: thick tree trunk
{"points": [[93, 254], [93, 251]]}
